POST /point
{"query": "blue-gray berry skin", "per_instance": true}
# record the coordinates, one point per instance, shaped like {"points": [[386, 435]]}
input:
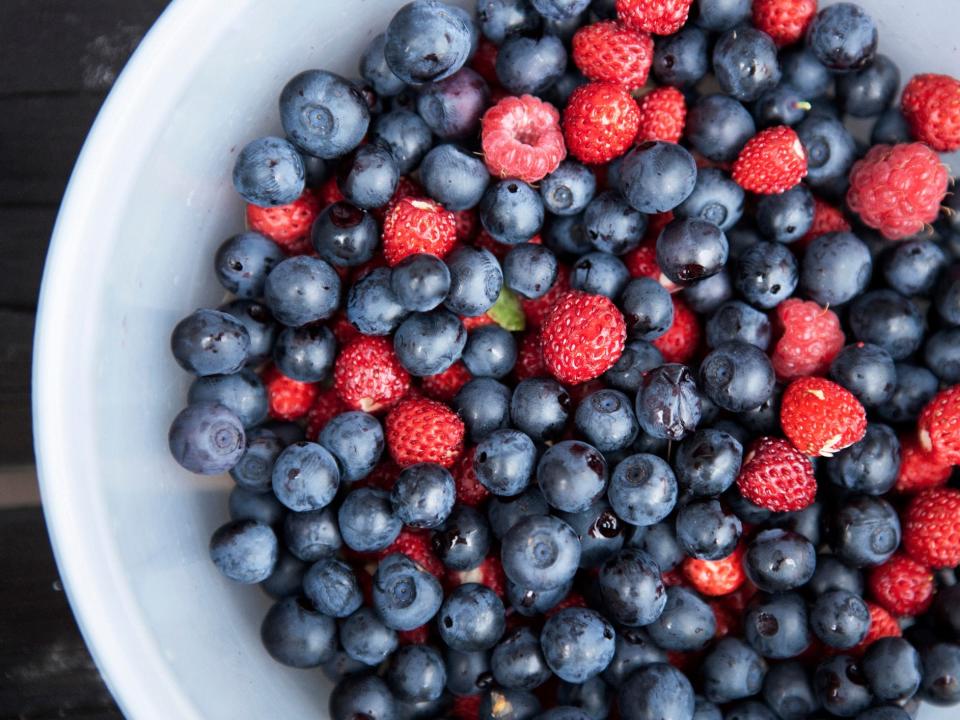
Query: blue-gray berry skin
{"points": [[454, 177], [305, 477], [766, 274], [210, 342], [243, 262], [417, 673], [540, 552], [840, 686], [942, 352], [737, 376], [504, 513], [715, 198], [690, 249], [369, 177], [511, 211], [365, 638], [464, 540], [867, 371], [864, 531], [530, 270], [643, 489], [471, 618], [404, 596], [260, 326], [427, 41], [362, 694], [660, 542], [572, 475], [344, 235], [245, 551], [406, 136], [778, 560], [914, 388], [517, 661], [706, 531], [840, 619], [423, 495], [332, 587], [745, 63], [366, 519], [242, 392], [260, 506], [681, 59], [484, 406], [578, 644], [869, 466], [892, 668], [468, 673], [612, 225], [499, 19], [843, 37], [600, 531], [913, 266], [207, 438], [253, 470], [312, 535], [569, 188], [869, 91], [323, 114], [269, 172], [803, 71], [306, 353], [301, 290], [504, 462], [428, 343], [356, 440], [708, 462], [718, 127], [788, 690], [374, 69], [634, 649], [531, 603], [490, 351], [657, 176], [647, 309], [831, 150], [297, 635], [686, 623], [627, 373], [834, 574], [836, 268], [941, 667], [606, 420], [452, 107], [668, 402], [529, 66], [776, 625], [731, 671], [286, 580], [788, 216], [632, 589], [599, 273], [420, 282], [657, 690]]}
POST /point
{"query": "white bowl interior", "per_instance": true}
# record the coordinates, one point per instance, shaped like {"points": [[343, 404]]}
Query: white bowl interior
{"points": [[149, 201]]}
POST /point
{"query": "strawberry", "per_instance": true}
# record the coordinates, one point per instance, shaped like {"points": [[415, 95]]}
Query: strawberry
{"points": [[329, 192], [529, 357], [660, 17], [826, 219], [287, 225], [417, 225], [383, 476], [882, 624], [821, 417], [902, 585], [931, 533], [288, 399], [469, 490], [716, 577], [785, 21], [663, 113], [343, 330], [368, 376], [444, 386], [325, 408], [489, 572], [600, 122], [468, 223], [521, 138], [931, 106], [938, 427], [682, 340], [771, 162], [536, 309], [777, 476], [420, 430], [582, 337], [808, 339], [919, 469], [642, 261], [415, 544], [572, 600], [608, 51]]}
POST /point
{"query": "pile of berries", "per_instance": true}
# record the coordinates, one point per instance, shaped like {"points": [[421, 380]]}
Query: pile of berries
{"points": [[581, 363]]}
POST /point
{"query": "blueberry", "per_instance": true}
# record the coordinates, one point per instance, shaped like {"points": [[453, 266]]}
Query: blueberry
{"points": [[454, 177], [243, 262], [708, 462], [643, 489], [568, 189], [404, 596], [778, 560], [511, 211], [452, 107], [253, 470], [287, 431], [869, 91], [802, 71], [471, 618], [600, 531], [528, 66], [864, 531], [720, 15], [333, 589], [941, 668], [372, 306], [531, 603], [566, 235], [843, 37], [362, 695], [484, 406], [946, 299], [890, 128], [530, 270], [705, 296], [660, 542], [606, 420], [627, 373], [681, 59], [869, 466], [259, 324], [207, 438], [560, 9], [886, 712], [517, 661], [504, 462], [305, 353], [718, 127], [706, 531], [841, 687], [467, 673], [737, 321], [323, 114], [269, 172], [668, 402], [830, 149], [564, 712], [540, 408], [427, 41], [245, 551], [631, 588], [892, 668], [475, 281], [420, 282], [781, 105], [241, 392], [887, 319], [737, 376], [745, 63], [740, 238], [599, 273], [312, 535], [657, 176], [776, 625], [578, 644], [295, 634], [374, 69], [788, 216], [540, 552], [612, 225], [423, 495], [572, 475], [430, 342], [505, 512], [463, 541], [287, 577], [788, 690], [249, 505], [833, 574], [732, 670], [634, 649], [749, 710], [690, 249], [490, 351], [912, 267], [369, 177], [942, 354], [408, 139], [657, 690], [715, 198], [592, 697], [840, 619], [766, 274], [416, 673], [305, 477], [344, 235], [340, 665], [302, 289], [210, 342], [499, 19], [366, 520], [867, 371], [915, 386], [703, 709], [686, 623], [559, 93], [763, 420]]}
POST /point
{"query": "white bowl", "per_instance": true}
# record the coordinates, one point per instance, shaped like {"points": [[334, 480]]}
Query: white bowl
{"points": [[149, 201]]}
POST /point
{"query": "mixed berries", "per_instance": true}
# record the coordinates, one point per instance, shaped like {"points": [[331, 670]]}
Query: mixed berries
{"points": [[561, 381]]}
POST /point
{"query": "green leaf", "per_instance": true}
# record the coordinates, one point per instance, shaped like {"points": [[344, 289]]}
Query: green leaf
{"points": [[507, 312]]}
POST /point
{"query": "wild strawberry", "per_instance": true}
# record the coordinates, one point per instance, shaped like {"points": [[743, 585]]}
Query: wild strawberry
{"points": [[809, 338], [728, 621], [417, 225], [902, 585], [521, 138], [919, 469], [897, 189], [785, 21], [288, 399], [489, 572], [938, 427], [529, 357], [444, 386], [417, 636], [931, 106], [610, 52], [368, 376], [420, 430], [535, 310], [469, 490], [467, 224], [600, 122], [325, 408], [826, 219], [287, 225], [820, 417], [642, 261], [771, 162], [343, 330], [931, 533], [383, 476], [415, 544], [663, 113], [329, 192], [573, 599], [882, 624], [660, 17], [682, 340], [583, 336], [777, 476], [716, 577]]}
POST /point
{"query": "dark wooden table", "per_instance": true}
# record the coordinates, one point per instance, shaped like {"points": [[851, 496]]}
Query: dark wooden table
{"points": [[58, 59]]}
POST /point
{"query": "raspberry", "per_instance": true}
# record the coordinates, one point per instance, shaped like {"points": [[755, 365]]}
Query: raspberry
{"points": [[420, 430], [821, 417], [826, 219], [777, 476], [660, 17], [931, 106], [484, 61], [681, 341], [663, 112], [287, 225], [469, 490], [444, 386], [521, 138], [809, 338], [535, 310], [529, 357], [716, 577], [771, 162], [931, 533], [583, 336], [489, 572], [882, 624], [610, 52], [368, 376], [919, 469], [785, 21], [325, 408], [600, 122], [939, 426], [417, 225], [287, 398], [902, 585], [897, 189], [415, 544]]}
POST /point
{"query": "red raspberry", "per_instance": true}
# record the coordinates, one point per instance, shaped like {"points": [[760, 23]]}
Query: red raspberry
{"points": [[660, 17], [826, 219], [484, 61], [420, 430], [536, 310], [919, 469], [415, 544], [821, 417], [902, 585], [329, 192], [716, 577], [809, 338], [417, 636], [680, 343], [529, 357], [777, 476], [600, 122], [417, 225], [882, 624], [467, 224], [583, 336], [931, 105], [489, 572], [287, 225], [771, 162], [663, 112], [521, 138], [610, 52], [469, 490], [466, 707], [444, 386], [287, 398], [368, 376], [931, 533], [324, 409], [939, 426], [785, 21], [897, 189]]}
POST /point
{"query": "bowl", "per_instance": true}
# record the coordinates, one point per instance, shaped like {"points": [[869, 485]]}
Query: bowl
{"points": [[149, 201]]}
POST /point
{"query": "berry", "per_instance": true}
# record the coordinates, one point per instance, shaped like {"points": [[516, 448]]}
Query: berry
{"points": [[445, 385], [919, 468], [681, 341], [706, 531], [452, 108], [840, 619], [631, 588], [489, 572], [656, 176], [732, 670], [417, 225], [536, 309], [210, 342], [511, 212], [301, 290], [776, 476], [772, 161], [870, 91], [427, 41], [578, 644], [820, 417], [939, 426], [540, 552], [583, 336], [608, 51], [287, 225], [455, 178], [718, 127], [600, 122], [420, 430], [810, 338], [785, 21], [288, 399], [368, 376], [681, 59], [882, 624], [889, 320], [843, 37], [660, 17], [663, 113], [572, 475], [529, 357], [269, 172], [521, 138], [931, 106], [686, 623], [745, 63], [643, 489], [309, 99], [612, 225], [864, 530], [715, 198], [930, 531], [826, 219], [715, 577], [902, 585]]}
